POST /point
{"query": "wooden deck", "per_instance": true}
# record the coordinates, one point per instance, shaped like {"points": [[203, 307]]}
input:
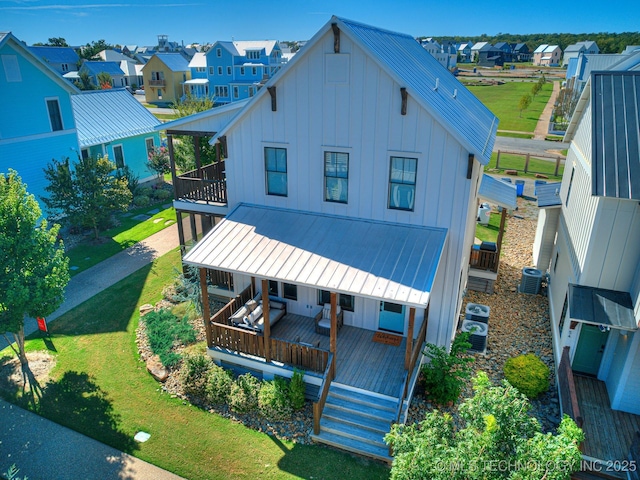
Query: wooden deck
{"points": [[361, 362], [608, 433]]}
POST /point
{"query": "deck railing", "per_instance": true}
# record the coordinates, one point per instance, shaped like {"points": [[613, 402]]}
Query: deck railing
{"points": [[205, 184], [304, 356], [318, 406], [484, 260], [567, 385]]}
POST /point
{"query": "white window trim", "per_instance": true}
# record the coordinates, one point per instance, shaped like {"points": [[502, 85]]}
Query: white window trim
{"points": [[113, 149], [46, 106], [153, 142]]}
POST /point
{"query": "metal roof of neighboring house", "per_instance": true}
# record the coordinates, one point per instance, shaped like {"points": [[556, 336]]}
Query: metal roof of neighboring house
{"points": [[174, 61], [615, 111], [198, 60], [366, 258], [197, 81], [95, 68], [211, 120], [109, 55], [630, 49], [541, 48], [108, 115], [572, 67], [593, 62], [551, 48], [575, 47], [498, 192], [242, 46], [128, 67], [548, 195], [598, 306], [520, 46], [426, 80], [627, 62], [56, 54], [479, 45]]}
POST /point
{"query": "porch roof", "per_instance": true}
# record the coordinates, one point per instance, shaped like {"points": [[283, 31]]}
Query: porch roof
{"points": [[367, 258], [499, 192], [599, 306]]}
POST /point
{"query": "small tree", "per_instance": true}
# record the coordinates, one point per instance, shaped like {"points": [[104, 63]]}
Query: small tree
{"points": [[499, 440], [35, 270], [84, 81], [524, 103], [87, 193], [159, 161], [535, 89], [105, 80], [184, 149]]}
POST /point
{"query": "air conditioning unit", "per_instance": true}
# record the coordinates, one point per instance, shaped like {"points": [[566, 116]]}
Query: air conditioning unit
{"points": [[478, 337], [477, 312], [531, 280]]}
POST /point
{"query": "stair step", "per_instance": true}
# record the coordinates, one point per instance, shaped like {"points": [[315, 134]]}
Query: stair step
{"points": [[354, 418], [354, 446], [354, 432], [363, 398], [345, 405]]}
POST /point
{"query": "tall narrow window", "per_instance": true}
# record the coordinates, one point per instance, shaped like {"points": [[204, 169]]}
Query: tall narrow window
{"points": [[119, 156], [150, 146], [275, 160], [219, 70], [336, 177], [54, 114], [236, 92], [402, 183], [566, 202], [228, 70]]}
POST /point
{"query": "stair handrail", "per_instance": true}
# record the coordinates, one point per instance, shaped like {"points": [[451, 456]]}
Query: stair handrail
{"points": [[318, 406], [403, 389]]}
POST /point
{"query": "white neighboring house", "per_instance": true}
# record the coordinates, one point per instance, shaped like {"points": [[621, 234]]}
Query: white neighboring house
{"points": [[594, 265], [350, 187], [547, 55], [441, 53], [587, 47]]}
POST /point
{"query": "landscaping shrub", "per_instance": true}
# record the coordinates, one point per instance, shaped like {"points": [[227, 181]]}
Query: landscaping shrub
{"points": [[219, 384], [296, 389], [144, 191], [194, 375], [243, 397], [141, 200], [444, 375], [273, 400], [161, 194], [163, 330], [528, 374]]}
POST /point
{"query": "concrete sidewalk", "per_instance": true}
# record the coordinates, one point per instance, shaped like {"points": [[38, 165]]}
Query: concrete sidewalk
{"points": [[42, 449]]}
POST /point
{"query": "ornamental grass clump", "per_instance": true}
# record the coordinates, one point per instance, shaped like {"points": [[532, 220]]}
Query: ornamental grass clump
{"points": [[274, 402], [528, 374], [194, 375], [243, 397], [164, 330]]}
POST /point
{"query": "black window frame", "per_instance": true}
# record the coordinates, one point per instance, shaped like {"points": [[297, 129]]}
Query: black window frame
{"points": [[345, 301], [329, 155], [402, 182], [55, 114], [290, 291], [284, 172]]}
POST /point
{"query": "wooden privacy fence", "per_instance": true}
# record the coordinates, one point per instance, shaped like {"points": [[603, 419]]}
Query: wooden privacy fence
{"points": [[555, 162]]}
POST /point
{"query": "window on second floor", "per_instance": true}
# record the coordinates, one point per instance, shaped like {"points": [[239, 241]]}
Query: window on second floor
{"points": [[228, 70], [275, 161], [253, 55], [210, 70], [242, 71], [254, 71], [200, 69], [219, 70], [55, 117], [65, 67], [252, 91], [402, 183], [336, 177], [218, 52]]}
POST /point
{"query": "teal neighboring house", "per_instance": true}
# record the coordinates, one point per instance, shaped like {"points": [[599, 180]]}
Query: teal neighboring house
{"points": [[114, 123], [37, 123]]}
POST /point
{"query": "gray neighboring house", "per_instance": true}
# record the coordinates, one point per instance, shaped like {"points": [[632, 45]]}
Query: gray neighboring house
{"points": [[587, 47]]}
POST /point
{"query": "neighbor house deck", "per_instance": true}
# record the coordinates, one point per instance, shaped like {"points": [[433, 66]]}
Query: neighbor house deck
{"points": [[608, 433]]}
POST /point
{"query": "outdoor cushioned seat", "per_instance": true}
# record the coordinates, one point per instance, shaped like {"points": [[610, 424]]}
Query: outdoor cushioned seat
{"points": [[323, 319]]}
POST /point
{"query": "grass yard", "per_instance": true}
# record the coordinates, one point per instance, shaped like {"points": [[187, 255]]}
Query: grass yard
{"points": [[489, 233], [100, 388], [503, 101], [528, 136], [129, 232], [516, 162]]}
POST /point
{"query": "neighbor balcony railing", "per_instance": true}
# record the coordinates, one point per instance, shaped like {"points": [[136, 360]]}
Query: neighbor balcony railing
{"points": [[157, 83], [206, 184]]}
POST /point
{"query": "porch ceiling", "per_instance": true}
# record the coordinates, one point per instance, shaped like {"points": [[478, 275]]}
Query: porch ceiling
{"points": [[385, 261], [601, 307]]}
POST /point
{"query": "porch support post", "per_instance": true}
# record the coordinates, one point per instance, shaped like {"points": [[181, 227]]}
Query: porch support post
{"points": [[181, 240], [409, 349], [334, 323], [253, 287], [503, 218], [206, 312], [265, 316], [196, 152], [172, 161]]}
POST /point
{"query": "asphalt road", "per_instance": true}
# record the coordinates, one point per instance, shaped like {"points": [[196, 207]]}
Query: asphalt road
{"points": [[523, 145]]}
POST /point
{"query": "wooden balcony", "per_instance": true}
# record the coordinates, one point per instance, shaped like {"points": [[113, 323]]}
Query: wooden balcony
{"points": [[157, 83], [484, 260], [206, 184]]}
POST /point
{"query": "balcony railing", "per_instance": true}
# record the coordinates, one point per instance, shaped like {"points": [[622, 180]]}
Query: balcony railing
{"points": [[484, 259], [206, 184], [157, 83]]}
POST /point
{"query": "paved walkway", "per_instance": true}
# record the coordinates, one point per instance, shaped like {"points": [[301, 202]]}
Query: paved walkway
{"points": [[542, 128], [43, 449]]}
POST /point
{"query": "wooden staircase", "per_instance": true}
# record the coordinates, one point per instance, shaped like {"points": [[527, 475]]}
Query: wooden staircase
{"points": [[357, 422]]}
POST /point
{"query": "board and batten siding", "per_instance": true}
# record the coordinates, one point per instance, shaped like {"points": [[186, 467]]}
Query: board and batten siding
{"points": [[582, 137], [356, 109], [544, 241]]}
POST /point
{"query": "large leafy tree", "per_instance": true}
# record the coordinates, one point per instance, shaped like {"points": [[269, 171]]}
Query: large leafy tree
{"points": [[87, 193], [184, 150], [34, 270], [90, 50], [497, 439]]}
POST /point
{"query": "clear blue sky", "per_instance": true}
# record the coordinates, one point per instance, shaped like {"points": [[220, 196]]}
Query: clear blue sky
{"points": [[139, 23]]}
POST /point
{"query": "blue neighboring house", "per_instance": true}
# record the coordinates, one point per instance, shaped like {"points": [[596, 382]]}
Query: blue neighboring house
{"points": [[114, 123], [37, 124], [95, 68], [198, 85], [236, 70], [61, 59]]}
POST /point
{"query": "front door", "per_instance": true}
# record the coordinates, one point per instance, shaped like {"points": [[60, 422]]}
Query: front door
{"points": [[391, 317], [589, 350]]}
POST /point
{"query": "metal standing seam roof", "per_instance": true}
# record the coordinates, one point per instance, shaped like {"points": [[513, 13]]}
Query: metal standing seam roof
{"points": [[599, 306], [95, 68], [498, 192], [174, 61], [432, 85], [198, 60], [108, 115], [243, 45], [366, 258], [615, 110], [56, 54], [549, 195]]}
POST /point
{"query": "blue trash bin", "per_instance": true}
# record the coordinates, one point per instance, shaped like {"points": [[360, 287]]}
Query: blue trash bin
{"points": [[536, 183], [519, 187]]}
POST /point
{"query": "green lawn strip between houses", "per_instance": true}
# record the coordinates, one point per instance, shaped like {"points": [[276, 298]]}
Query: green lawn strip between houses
{"points": [[129, 232], [516, 162], [96, 343], [489, 233], [503, 101]]}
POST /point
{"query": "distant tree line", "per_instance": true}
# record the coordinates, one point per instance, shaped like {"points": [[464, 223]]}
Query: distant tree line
{"points": [[607, 42]]}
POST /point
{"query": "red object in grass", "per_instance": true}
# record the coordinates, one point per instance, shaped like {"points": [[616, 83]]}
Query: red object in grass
{"points": [[42, 324]]}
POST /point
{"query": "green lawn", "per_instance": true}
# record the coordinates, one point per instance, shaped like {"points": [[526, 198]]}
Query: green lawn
{"points": [[516, 162], [528, 136], [129, 232], [100, 388], [503, 101], [489, 233]]}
